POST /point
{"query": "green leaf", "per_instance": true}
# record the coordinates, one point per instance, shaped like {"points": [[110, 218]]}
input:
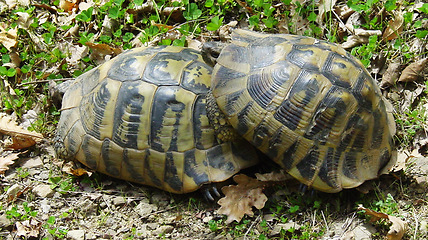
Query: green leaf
{"points": [[258, 3], [215, 23], [11, 72], [179, 42], [165, 42], [128, 36], [51, 220], [138, 2], [209, 3], [105, 39], [424, 8], [118, 33], [390, 5], [26, 68], [408, 16], [85, 37], [114, 12], [421, 33], [192, 12], [294, 209], [312, 17], [5, 58], [270, 22], [85, 15], [254, 20], [152, 31]]}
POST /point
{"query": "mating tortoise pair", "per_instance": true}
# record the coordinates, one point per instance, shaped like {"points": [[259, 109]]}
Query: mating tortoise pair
{"points": [[163, 117]]}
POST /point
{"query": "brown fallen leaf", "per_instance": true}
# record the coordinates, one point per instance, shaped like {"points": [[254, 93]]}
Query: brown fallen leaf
{"points": [[391, 75], [103, 49], [22, 138], [6, 161], [398, 227], [394, 28], [80, 172], [412, 72], [68, 5], [354, 40], [9, 38], [28, 228], [239, 199]]}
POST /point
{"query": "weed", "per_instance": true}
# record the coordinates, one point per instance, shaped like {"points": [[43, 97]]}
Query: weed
{"points": [[62, 185], [214, 225], [20, 213], [54, 231]]}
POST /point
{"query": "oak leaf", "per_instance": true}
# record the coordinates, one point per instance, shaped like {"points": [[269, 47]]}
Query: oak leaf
{"points": [[398, 227], [6, 161], [239, 199]]}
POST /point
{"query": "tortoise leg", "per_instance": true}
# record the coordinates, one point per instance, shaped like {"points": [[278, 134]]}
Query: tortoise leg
{"points": [[208, 190]]}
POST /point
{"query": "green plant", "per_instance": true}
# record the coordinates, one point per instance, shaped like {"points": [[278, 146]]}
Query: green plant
{"points": [[22, 172], [18, 214], [365, 51], [62, 185], [54, 231], [214, 225]]}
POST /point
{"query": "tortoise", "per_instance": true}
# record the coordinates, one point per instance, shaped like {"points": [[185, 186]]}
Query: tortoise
{"points": [[308, 104], [141, 117]]}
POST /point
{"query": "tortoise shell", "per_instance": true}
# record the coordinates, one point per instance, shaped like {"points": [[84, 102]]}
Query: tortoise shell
{"points": [[308, 104], [142, 117]]}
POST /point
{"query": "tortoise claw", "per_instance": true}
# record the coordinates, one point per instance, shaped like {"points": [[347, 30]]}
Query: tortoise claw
{"points": [[303, 188], [209, 191]]}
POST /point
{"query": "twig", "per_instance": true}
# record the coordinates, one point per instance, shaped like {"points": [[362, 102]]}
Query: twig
{"points": [[251, 226], [44, 81]]}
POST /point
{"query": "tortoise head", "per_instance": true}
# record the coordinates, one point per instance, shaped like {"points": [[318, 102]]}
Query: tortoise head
{"points": [[211, 51]]}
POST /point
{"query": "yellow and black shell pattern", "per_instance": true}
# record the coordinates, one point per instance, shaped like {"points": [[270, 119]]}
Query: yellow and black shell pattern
{"points": [[142, 117], [308, 104]]}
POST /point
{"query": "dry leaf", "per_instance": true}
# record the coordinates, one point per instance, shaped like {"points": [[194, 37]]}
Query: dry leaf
{"points": [[354, 40], [22, 138], [8, 37], [67, 5], [378, 63], [324, 7], [366, 33], [394, 28], [28, 228], [239, 199], [398, 227], [103, 49], [412, 72], [402, 158], [80, 172], [6, 161], [343, 11], [391, 75]]}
